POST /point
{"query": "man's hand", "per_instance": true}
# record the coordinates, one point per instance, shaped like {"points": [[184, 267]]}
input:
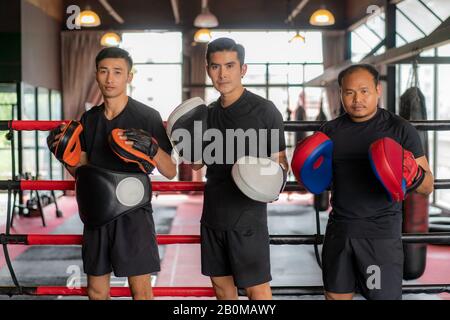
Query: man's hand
{"points": [[64, 142]]}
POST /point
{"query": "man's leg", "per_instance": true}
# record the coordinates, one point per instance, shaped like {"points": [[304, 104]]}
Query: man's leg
{"points": [[98, 287], [216, 264], [259, 292], [338, 272], [380, 268], [224, 288], [249, 251], [134, 251], [338, 296], [141, 287]]}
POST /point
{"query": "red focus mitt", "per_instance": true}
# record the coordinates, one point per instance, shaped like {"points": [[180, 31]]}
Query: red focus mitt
{"points": [[142, 151], [67, 147], [395, 168], [312, 162]]}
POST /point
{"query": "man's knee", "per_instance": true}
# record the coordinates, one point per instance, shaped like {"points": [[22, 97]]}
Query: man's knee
{"points": [[259, 292], [224, 288], [98, 287], [140, 287], [338, 296], [98, 293], [142, 294]]}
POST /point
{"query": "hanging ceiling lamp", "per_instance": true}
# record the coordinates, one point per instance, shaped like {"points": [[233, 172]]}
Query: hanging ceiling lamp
{"points": [[322, 17], [110, 39], [202, 35], [298, 38], [88, 18], [206, 19]]}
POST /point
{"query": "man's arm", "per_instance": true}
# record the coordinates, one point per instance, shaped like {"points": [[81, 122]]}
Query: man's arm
{"points": [[427, 185], [197, 167], [83, 161], [165, 164], [281, 158]]}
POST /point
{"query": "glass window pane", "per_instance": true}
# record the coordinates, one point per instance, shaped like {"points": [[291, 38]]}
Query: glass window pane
{"points": [[8, 94], [29, 160], [377, 24], [285, 74], [8, 100], [399, 41], [427, 53], [28, 113], [406, 29], [274, 46], [443, 103], [44, 163], [158, 86], [313, 71], [57, 170], [359, 46], [444, 51], [56, 107], [154, 47], [256, 74], [280, 97], [440, 7], [43, 114], [443, 137], [5, 164], [368, 36], [294, 98], [28, 103], [312, 102], [423, 18], [56, 114], [443, 166]]}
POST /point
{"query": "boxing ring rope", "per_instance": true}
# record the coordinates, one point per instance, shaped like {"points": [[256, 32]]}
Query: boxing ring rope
{"points": [[289, 126], [42, 239], [199, 291], [165, 239], [160, 186]]}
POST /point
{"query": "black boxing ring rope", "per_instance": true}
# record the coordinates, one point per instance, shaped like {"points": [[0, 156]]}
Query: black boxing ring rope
{"points": [[6, 239]]}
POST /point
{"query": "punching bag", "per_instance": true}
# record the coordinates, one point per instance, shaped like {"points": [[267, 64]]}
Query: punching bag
{"points": [[300, 115], [322, 201], [415, 206]]}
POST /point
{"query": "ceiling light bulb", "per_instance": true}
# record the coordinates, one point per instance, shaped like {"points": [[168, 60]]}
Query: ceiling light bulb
{"points": [[110, 39], [88, 18], [202, 35], [322, 17], [298, 38]]}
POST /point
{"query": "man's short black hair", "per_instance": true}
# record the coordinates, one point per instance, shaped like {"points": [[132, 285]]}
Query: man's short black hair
{"points": [[368, 67], [225, 44], [114, 52]]}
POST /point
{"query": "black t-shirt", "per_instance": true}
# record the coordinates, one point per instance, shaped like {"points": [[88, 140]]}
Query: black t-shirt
{"points": [[96, 129], [225, 206], [361, 207]]}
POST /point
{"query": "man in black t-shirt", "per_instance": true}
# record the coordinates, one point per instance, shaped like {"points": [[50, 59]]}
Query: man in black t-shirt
{"points": [[234, 233], [362, 247], [128, 244]]}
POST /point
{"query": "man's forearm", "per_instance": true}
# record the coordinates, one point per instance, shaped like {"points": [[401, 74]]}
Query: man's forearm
{"points": [[71, 170], [427, 186], [165, 164]]}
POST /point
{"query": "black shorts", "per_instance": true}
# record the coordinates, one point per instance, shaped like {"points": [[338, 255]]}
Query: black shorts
{"points": [[373, 267], [243, 253], [127, 246]]}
